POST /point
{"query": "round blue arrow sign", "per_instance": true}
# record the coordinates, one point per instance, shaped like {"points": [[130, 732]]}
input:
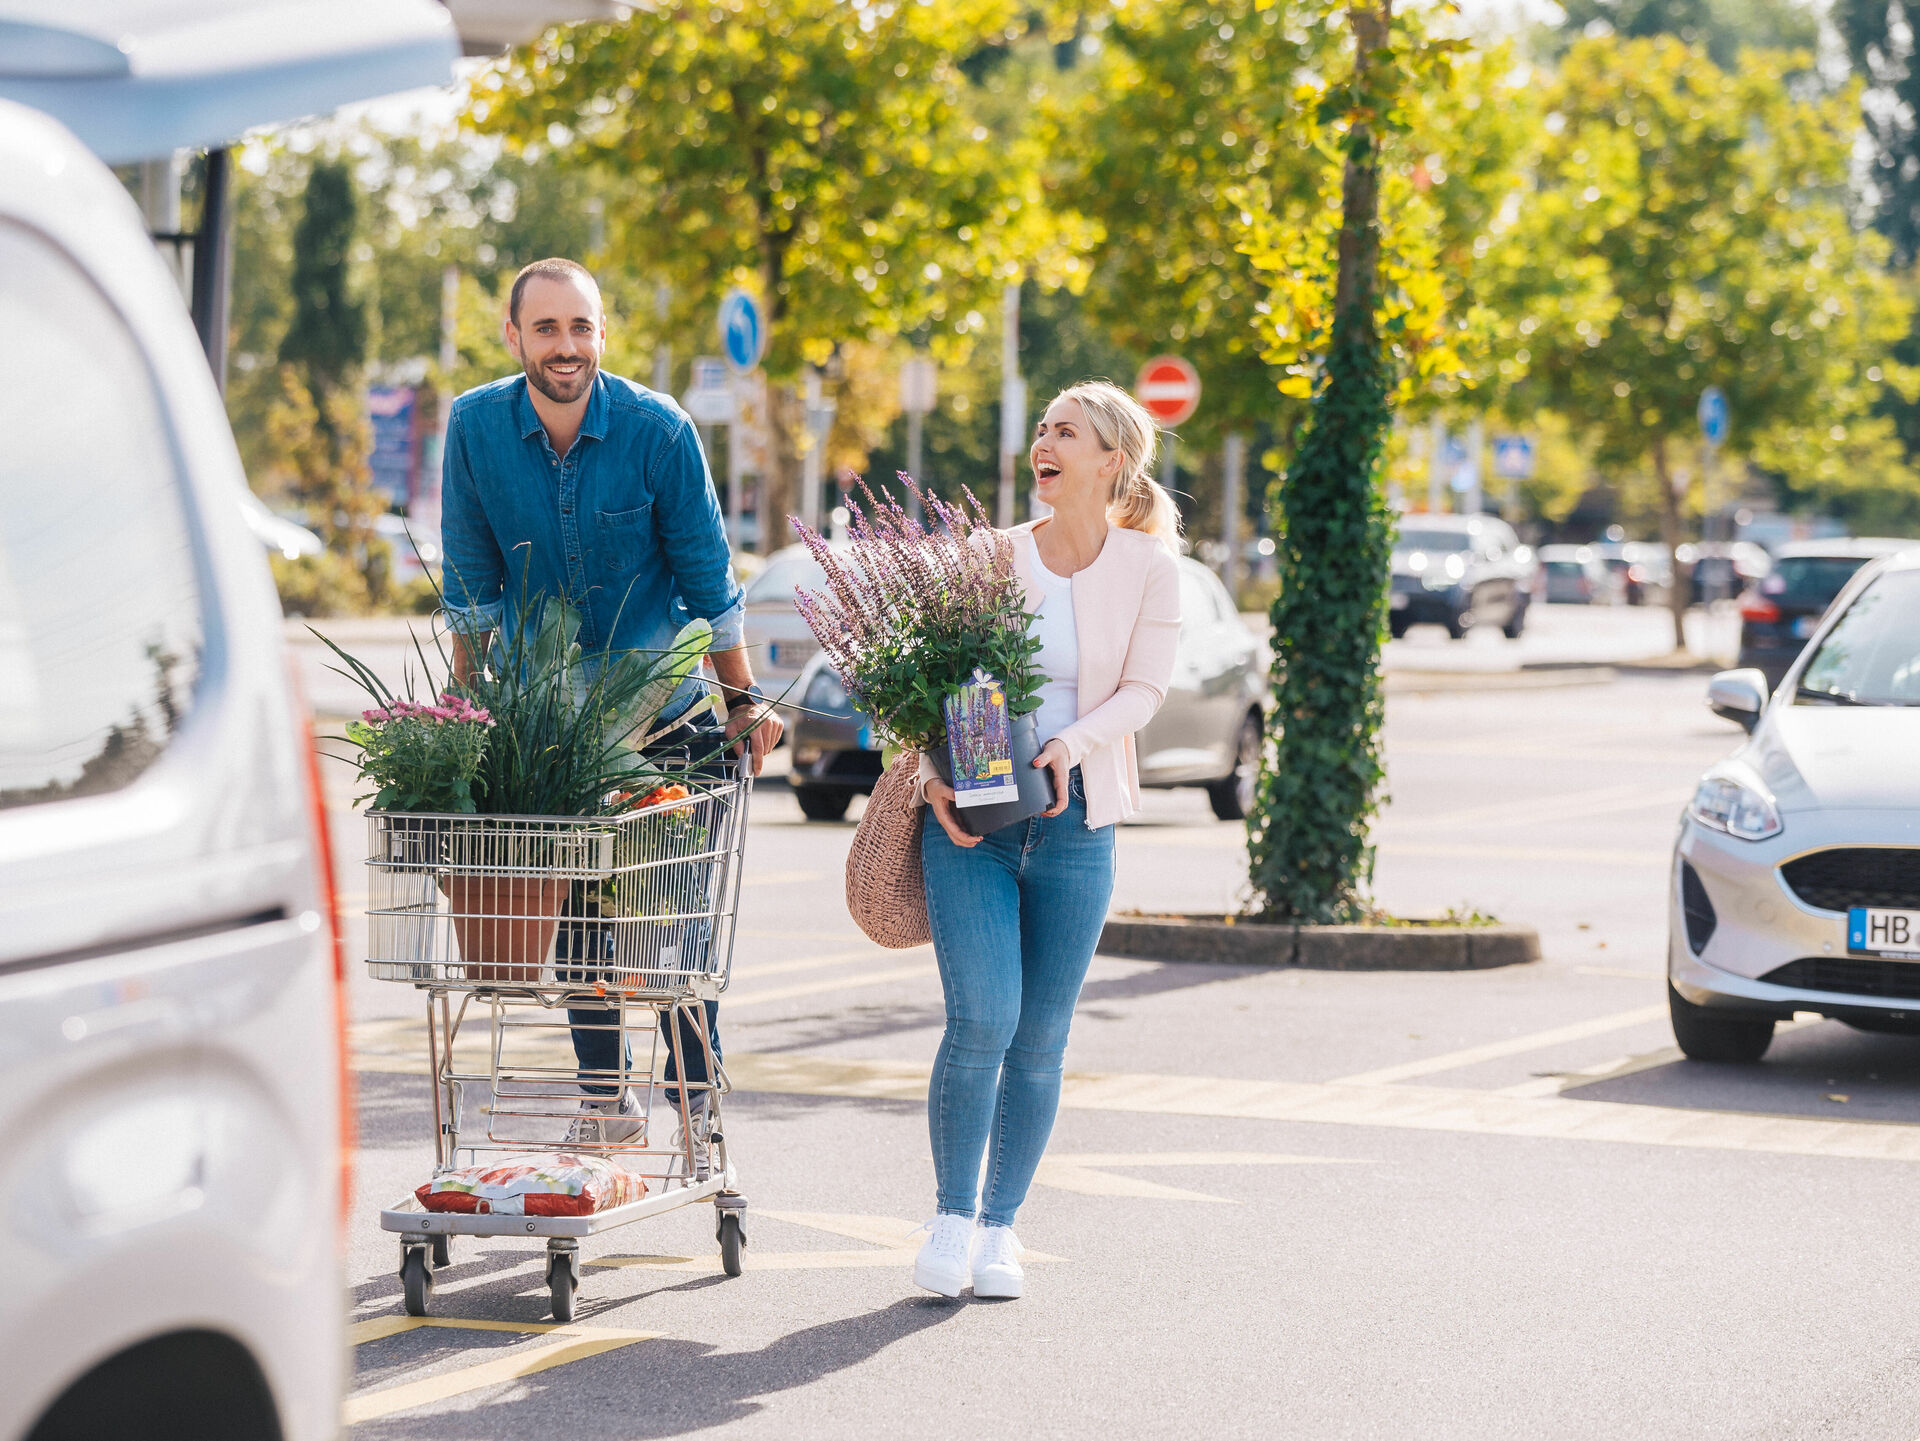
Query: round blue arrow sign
{"points": [[1714, 415], [743, 335]]}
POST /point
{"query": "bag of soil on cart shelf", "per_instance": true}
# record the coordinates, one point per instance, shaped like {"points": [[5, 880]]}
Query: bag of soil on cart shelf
{"points": [[561, 1184]]}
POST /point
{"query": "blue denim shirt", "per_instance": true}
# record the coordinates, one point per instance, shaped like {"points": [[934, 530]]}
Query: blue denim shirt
{"points": [[627, 527]]}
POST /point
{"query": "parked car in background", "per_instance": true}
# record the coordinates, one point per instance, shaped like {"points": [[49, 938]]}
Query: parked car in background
{"points": [[1722, 569], [1459, 571], [1783, 609], [414, 551], [1574, 575], [778, 641], [1208, 733], [1796, 877], [1642, 571]]}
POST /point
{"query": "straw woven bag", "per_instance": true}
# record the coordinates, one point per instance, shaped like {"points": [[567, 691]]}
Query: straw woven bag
{"points": [[884, 889]]}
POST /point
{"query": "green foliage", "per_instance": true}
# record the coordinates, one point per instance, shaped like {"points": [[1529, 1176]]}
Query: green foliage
{"points": [[421, 758], [1307, 840], [1686, 226], [568, 727], [821, 151], [328, 584], [1723, 27], [328, 332], [1309, 855]]}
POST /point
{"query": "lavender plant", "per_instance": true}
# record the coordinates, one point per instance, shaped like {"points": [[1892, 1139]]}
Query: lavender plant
{"points": [[911, 609]]}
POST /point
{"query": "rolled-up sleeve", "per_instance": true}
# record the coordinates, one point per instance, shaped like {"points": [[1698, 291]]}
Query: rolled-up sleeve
{"points": [[474, 574], [693, 535]]}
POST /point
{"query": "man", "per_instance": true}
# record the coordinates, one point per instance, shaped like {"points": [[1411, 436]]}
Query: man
{"points": [[567, 482]]}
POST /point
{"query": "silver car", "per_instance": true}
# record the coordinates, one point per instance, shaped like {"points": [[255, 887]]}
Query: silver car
{"points": [[1796, 879], [1208, 734]]}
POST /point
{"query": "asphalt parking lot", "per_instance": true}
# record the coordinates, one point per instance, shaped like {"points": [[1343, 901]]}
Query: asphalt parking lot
{"points": [[1278, 1202]]}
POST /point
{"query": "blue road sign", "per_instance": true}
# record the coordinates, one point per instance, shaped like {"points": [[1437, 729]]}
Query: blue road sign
{"points": [[1714, 415], [743, 334], [1512, 457]]}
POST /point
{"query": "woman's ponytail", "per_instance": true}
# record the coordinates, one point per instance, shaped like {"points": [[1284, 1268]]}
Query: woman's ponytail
{"points": [[1138, 501]]}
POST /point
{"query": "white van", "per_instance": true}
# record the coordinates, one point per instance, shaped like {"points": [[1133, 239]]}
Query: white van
{"points": [[174, 1120]]}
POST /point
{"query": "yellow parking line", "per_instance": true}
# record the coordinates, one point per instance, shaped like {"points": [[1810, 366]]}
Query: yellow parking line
{"points": [[1512, 1046], [810, 963], [1416, 1108], [578, 1343]]}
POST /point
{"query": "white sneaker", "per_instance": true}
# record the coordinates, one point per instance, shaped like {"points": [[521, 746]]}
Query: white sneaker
{"points": [[996, 1263], [603, 1122], [943, 1262]]}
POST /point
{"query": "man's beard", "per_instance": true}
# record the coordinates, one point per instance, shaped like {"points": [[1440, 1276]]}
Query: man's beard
{"points": [[562, 392]]}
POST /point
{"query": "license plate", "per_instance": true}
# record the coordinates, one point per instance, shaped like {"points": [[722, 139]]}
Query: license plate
{"points": [[1804, 626], [1875, 932], [1397, 601]]}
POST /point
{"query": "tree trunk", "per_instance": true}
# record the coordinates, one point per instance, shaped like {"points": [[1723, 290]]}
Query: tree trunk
{"points": [[1308, 847], [1681, 591]]}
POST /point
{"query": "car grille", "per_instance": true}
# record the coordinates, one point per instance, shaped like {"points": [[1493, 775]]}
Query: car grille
{"points": [[1850, 976], [1849, 876]]}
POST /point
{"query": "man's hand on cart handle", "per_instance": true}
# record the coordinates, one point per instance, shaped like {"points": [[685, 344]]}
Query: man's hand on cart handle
{"points": [[751, 722]]}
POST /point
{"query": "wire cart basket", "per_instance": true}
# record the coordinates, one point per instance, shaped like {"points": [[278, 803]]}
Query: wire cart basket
{"points": [[507, 924]]}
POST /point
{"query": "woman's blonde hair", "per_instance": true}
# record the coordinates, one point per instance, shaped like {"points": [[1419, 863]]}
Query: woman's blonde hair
{"points": [[1138, 502]]}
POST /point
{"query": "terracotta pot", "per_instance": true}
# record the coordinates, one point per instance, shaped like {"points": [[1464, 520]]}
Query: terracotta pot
{"points": [[505, 924]]}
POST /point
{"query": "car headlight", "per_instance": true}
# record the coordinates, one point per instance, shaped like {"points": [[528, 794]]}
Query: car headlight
{"points": [[827, 694], [1743, 811]]}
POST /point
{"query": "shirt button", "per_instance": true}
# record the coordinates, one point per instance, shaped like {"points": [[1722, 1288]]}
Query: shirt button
{"points": [[573, 557], [566, 510]]}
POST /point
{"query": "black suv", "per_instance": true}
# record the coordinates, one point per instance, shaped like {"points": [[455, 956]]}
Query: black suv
{"points": [[1779, 612], [1459, 571]]}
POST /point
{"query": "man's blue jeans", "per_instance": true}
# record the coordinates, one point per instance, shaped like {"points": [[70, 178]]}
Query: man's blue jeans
{"points": [[1015, 921]]}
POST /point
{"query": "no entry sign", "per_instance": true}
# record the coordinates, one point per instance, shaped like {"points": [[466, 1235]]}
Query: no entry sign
{"points": [[1169, 388]]}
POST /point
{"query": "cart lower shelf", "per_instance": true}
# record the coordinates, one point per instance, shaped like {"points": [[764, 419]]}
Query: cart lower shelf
{"points": [[425, 1236]]}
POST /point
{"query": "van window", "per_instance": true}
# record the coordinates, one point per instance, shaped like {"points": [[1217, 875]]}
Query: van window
{"points": [[100, 625]]}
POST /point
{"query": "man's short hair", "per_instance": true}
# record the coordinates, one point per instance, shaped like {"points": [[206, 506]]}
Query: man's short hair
{"points": [[556, 267]]}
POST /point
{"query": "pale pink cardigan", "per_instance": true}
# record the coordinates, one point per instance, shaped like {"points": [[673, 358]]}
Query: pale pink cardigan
{"points": [[1126, 619]]}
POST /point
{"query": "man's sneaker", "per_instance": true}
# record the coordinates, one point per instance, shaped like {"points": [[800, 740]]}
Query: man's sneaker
{"points": [[996, 1263], [944, 1261], [700, 1117], [604, 1122]]}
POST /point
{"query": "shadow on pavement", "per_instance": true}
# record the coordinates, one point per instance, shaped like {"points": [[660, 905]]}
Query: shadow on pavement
{"points": [[671, 1387], [1878, 1076]]}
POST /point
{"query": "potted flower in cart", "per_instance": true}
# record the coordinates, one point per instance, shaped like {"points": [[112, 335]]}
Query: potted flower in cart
{"points": [[928, 628], [540, 731]]}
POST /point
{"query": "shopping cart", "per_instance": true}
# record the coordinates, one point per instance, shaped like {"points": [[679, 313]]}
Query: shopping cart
{"points": [[505, 922]]}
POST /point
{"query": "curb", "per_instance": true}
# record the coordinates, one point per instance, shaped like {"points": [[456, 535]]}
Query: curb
{"points": [[1210, 940]]}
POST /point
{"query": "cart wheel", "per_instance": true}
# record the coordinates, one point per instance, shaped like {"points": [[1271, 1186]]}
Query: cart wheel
{"points": [[561, 1284], [416, 1279], [442, 1252], [733, 1240]]}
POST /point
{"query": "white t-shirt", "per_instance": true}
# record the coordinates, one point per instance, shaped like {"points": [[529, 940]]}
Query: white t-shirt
{"points": [[1059, 658]]}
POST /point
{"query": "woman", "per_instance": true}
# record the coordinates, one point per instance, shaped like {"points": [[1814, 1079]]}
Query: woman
{"points": [[1016, 915]]}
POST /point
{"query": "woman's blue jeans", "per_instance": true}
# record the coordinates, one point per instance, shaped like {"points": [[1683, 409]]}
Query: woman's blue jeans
{"points": [[1015, 921]]}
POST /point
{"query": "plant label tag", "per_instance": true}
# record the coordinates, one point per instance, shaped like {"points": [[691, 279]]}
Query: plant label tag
{"points": [[980, 743]]}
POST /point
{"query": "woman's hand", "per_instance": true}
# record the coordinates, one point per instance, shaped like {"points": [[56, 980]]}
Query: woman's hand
{"points": [[1053, 757], [940, 796]]}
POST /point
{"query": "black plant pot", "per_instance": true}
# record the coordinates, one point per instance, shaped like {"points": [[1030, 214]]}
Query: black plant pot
{"points": [[1036, 786]]}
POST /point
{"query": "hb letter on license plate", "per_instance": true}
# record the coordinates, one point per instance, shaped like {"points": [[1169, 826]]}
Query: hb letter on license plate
{"points": [[1878, 932]]}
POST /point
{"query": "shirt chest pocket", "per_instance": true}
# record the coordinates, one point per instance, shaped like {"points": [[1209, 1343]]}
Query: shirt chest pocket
{"points": [[624, 537]]}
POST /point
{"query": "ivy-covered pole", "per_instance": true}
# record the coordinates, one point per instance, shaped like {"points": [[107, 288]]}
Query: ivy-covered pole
{"points": [[1308, 838]]}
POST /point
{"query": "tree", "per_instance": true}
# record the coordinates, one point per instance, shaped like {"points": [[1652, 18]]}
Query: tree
{"points": [[328, 334], [1184, 116], [1307, 842], [821, 152], [1722, 27], [1687, 226]]}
